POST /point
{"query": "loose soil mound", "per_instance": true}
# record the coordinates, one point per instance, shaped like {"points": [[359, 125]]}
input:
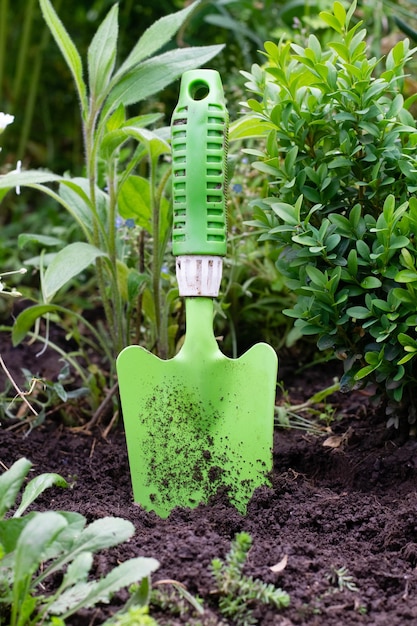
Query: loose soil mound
{"points": [[332, 513]]}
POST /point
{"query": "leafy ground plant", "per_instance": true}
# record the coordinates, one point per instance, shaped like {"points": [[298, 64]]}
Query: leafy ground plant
{"points": [[340, 147], [124, 183], [36, 546], [239, 593]]}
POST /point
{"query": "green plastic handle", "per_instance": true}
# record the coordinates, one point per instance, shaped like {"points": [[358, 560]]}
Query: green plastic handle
{"points": [[199, 156]]}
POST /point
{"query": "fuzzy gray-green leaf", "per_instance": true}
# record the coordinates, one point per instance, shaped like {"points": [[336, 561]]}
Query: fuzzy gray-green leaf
{"points": [[102, 54], [156, 36], [67, 264], [67, 47], [156, 73]]}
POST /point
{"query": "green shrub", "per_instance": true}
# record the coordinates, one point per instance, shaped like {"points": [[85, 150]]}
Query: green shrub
{"points": [[340, 156]]}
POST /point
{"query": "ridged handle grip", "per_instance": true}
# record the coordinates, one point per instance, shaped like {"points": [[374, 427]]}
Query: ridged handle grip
{"points": [[199, 157]]}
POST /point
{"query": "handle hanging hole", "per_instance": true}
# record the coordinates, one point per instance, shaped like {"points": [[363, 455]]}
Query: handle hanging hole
{"points": [[199, 90]]}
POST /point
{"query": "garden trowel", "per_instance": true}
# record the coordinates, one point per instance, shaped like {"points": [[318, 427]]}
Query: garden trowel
{"points": [[199, 422]]}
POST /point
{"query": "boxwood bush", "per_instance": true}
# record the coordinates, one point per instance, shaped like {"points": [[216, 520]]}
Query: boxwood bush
{"points": [[339, 152]]}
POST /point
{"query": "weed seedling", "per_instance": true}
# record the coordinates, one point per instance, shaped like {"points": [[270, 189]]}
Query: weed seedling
{"points": [[341, 579], [239, 593]]}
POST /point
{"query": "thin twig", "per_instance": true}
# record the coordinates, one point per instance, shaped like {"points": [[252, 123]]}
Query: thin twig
{"points": [[110, 425], [99, 411], [20, 393]]}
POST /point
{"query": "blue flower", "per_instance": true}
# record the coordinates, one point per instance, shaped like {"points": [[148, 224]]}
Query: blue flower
{"points": [[237, 188]]}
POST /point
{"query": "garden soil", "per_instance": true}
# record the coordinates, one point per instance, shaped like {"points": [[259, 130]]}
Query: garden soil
{"points": [[339, 521]]}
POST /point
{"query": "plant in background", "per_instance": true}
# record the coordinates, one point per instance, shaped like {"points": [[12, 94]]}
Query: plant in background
{"points": [[124, 178], [239, 593], [340, 157], [36, 546]]}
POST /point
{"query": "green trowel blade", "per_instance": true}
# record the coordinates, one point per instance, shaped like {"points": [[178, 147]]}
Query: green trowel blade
{"points": [[199, 422]]}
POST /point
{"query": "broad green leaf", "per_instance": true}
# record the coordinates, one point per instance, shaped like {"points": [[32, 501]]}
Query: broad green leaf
{"points": [[286, 212], [64, 542], [408, 259], [116, 119], [289, 160], [68, 49], [104, 533], [406, 276], [396, 106], [365, 371], [156, 73], [156, 36], [102, 54], [26, 178], [67, 264], [406, 340], [78, 570], [26, 319], [135, 283], [305, 240], [353, 263], [316, 276], [75, 193], [341, 49], [10, 531], [247, 127], [134, 201], [123, 575], [122, 272], [407, 357], [33, 542], [115, 137], [11, 482], [363, 249], [44, 240], [308, 329], [73, 596], [155, 142], [351, 11], [331, 21], [371, 282], [37, 486], [358, 312], [99, 535]]}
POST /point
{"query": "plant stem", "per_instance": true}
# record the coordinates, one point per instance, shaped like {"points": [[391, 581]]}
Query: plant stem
{"points": [[4, 10], [23, 49], [141, 266], [30, 98], [156, 263], [118, 317], [91, 144]]}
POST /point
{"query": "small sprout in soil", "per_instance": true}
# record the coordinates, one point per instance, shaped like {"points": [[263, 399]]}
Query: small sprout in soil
{"points": [[238, 594], [315, 415], [341, 579], [136, 616]]}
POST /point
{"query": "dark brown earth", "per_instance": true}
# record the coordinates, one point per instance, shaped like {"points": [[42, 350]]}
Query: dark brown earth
{"points": [[352, 506]]}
